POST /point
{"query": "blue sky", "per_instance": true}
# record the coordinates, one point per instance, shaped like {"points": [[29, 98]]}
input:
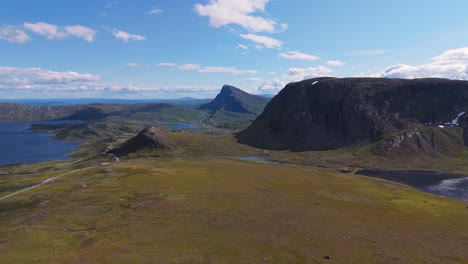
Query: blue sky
{"points": [[180, 48]]}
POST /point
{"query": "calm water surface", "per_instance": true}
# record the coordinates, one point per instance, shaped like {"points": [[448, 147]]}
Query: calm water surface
{"points": [[19, 145], [181, 126], [438, 183]]}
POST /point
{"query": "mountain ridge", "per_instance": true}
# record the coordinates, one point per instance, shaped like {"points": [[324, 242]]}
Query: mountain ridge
{"points": [[329, 113], [233, 99]]}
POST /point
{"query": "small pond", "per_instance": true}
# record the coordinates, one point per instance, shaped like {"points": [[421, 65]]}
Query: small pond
{"points": [[180, 126]]}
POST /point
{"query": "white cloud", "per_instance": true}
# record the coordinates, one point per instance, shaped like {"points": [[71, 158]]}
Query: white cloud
{"points": [[291, 75], [189, 67], [46, 30], [372, 52], [242, 46], [231, 70], [126, 37], [263, 41], [37, 83], [13, 34], [272, 87], [54, 32], [154, 11], [296, 55], [238, 12], [167, 64], [335, 63], [81, 32], [299, 74], [452, 56], [451, 64], [40, 76], [133, 65]]}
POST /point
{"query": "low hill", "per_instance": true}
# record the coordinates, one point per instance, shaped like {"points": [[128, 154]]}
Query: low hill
{"points": [[329, 113], [151, 138], [23, 112], [148, 111], [233, 99]]}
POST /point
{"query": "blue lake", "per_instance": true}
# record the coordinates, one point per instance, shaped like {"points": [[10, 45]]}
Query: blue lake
{"points": [[438, 183], [19, 145], [180, 126]]}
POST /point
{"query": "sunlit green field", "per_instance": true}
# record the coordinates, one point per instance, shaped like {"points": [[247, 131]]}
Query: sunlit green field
{"points": [[226, 211]]}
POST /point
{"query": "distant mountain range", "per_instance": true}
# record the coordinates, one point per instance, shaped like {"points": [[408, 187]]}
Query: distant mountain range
{"points": [[147, 111], [421, 115], [187, 101]]}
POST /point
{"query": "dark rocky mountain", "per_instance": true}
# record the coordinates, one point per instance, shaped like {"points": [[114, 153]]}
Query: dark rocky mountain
{"points": [[232, 99], [151, 138], [329, 113]]}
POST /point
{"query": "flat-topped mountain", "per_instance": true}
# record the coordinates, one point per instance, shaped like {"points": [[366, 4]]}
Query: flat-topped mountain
{"points": [[151, 138], [233, 99], [329, 113]]}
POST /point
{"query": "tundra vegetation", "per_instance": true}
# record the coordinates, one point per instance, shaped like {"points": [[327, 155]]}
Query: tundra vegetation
{"points": [[191, 196]]}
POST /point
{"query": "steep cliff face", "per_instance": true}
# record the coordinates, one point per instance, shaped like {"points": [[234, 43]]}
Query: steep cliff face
{"points": [[328, 113], [232, 99]]}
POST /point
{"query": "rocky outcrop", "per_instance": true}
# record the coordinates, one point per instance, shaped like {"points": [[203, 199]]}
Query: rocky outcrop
{"points": [[151, 138], [232, 99], [426, 140], [329, 113]]}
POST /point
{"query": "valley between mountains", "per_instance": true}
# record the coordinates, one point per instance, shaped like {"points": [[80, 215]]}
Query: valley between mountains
{"points": [[245, 178]]}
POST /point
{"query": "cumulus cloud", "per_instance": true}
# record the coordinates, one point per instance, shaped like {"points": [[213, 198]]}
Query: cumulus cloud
{"points": [[452, 56], [46, 30], [335, 63], [272, 86], [13, 34], [296, 55], [189, 67], [263, 41], [154, 11], [54, 32], [299, 74], [35, 82], [239, 12], [451, 64], [41, 76], [231, 70], [275, 85], [126, 37], [81, 32]]}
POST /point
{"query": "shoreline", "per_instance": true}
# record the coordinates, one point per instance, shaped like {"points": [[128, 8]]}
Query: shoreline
{"points": [[445, 184], [76, 145]]}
